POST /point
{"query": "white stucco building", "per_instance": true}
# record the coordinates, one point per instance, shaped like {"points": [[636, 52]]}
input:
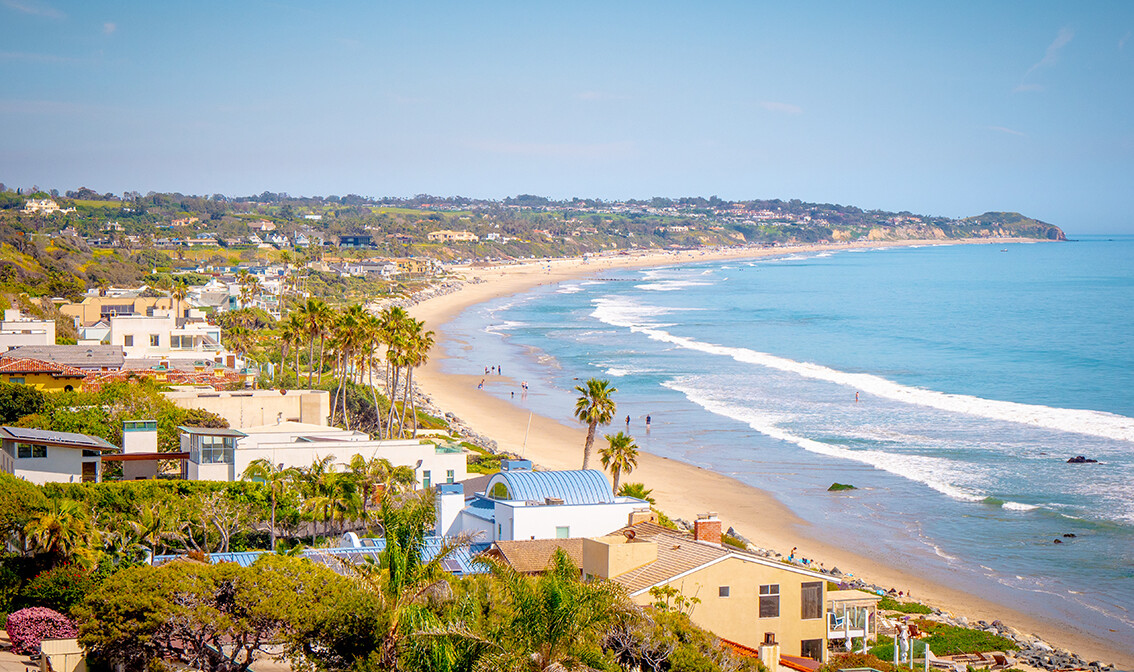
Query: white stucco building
{"points": [[162, 335], [18, 330], [224, 454], [42, 457], [518, 503]]}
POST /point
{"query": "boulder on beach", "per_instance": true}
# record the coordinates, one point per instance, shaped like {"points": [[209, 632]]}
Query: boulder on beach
{"points": [[1081, 459]]}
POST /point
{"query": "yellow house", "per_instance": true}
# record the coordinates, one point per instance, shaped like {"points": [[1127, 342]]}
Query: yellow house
{"points": [[743, 597], [94, 308], [43, 376]]}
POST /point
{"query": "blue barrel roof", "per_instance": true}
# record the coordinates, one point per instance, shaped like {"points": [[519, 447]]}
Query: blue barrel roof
{"points": [[573, 487]]}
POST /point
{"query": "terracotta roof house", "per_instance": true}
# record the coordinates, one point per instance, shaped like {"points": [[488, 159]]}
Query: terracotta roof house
{"points": [[44, 376], [85, 357]]}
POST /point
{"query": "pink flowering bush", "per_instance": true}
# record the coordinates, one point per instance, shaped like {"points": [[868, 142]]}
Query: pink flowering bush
{"points": [[28, 627]]}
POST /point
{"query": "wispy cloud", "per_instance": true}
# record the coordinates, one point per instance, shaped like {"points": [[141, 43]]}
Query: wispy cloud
{"points": [[783, 108], [109, 27], [1009, 131], [34, 8], [1051, 55], [32, 57], [1023, 88], [1122, 42], [560, 150]]}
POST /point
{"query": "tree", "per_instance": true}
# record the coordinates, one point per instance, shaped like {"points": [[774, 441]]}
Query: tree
{"points": [[16, 401], [215, 618], [378, 476], [620, 456], [277, 479], [20, 502], [554, 621], [636, 490], [594, 407], [63, 530], [316, 316], [178, 294]]}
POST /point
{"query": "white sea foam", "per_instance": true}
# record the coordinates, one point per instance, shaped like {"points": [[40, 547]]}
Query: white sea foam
{"points": [[569, 289], [1017, 506], [671, 285], [1093, 423], [936, 472], [500, 327]]}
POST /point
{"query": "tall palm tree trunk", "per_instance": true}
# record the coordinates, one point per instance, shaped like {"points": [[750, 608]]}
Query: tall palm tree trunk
{"points": [[310, 362]]}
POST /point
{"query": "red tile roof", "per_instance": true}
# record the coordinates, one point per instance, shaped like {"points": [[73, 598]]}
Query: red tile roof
{"points": [[13, 365]]}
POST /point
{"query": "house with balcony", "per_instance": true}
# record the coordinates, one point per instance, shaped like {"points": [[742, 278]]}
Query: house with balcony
{"points": [[223, 454], [162, 335], [42, 457], [519, 503], [754, 601]]}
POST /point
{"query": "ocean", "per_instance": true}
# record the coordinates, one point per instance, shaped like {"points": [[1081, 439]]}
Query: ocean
{"points": [[948, 384]]}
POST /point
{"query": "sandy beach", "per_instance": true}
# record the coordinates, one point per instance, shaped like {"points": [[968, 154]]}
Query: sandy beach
{"points": [[684, 490]]}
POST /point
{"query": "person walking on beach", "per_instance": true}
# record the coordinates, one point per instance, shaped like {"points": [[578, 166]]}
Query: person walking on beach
{"points": [[628, 422], [647, 422], [480, 385], [856, 397]]}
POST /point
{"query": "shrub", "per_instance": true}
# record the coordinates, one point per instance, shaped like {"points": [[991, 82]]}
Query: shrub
{"points": [[60, 588], [857, 660], [946, 640], [28, 627], [890, 604]]}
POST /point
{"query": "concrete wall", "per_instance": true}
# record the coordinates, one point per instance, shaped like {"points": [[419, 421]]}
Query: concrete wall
{"points": [[736, 617], [139, 441], [583, 520], [253, 408]]}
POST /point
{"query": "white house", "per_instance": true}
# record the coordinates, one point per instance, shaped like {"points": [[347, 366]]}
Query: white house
{"points": [[518, 503], [18, 330], [160, 336], [51, 457], [224, 454]]}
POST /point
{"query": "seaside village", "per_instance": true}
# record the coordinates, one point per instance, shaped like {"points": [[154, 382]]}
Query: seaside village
{"points": [[138, 546]]}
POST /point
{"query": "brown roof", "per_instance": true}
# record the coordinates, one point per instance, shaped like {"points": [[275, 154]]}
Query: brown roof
{"points": [[534, 555], [28, 365], [677, 553]]}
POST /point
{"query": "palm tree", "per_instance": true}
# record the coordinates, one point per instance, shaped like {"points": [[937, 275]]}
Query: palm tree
{"points": [[63, 530], [178, 294], [152, 526], [348, 335], [636, 490], [552, 621], [278, 480], [394, 320], [292, 334], [317, 317], [595, 407], [620, 455], [417, 354], [377, 477]]}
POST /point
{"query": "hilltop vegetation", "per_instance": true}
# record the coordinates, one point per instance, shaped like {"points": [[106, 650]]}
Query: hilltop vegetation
{"points": [[107, 239]]}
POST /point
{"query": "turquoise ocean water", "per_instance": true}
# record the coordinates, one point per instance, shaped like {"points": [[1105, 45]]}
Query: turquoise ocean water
{"points": [[979, 370]]}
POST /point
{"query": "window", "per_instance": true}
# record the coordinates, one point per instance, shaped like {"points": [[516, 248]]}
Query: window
{"points": [[499, 530], [214, 450], [812, 648], [499, 491], [426, 479], [563, 532], [450, 476], [155, 340], [16, 381], [811, 599], [128, 340], [770, 601], [723, 591], [25, 451]]}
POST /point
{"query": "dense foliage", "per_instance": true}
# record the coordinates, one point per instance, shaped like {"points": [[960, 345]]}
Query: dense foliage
{"points": [[28, 627]]}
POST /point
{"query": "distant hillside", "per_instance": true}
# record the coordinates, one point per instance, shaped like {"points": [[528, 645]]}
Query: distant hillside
{"points": [[102, 239]]}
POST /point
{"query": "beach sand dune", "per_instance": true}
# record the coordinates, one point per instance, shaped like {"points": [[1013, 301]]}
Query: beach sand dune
{"points": [[683, 490]]}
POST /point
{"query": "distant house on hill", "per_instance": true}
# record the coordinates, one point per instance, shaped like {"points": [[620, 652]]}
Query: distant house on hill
{"points": [[355, 240], [446, 236]]}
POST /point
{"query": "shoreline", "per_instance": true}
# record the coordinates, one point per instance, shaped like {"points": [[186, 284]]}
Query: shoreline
{"points": [[683, 490]]}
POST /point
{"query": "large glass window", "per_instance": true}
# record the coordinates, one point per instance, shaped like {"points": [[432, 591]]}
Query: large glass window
{"points": [[25, 451], [770, 601], [563, 532], [812, 648], [214, 449]]}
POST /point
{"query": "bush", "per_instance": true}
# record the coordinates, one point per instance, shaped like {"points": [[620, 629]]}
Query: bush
{"points": [[857, 660], [946, 640], [60, 588], [28, 627], [890, 604]]}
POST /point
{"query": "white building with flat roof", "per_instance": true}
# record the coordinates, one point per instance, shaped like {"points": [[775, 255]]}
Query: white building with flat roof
{"points": [[161, 336], [224, 454], [18, 330]]}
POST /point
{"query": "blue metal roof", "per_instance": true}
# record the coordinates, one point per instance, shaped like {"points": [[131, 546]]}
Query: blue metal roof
{"points": [[460, 562], [573, 487]]}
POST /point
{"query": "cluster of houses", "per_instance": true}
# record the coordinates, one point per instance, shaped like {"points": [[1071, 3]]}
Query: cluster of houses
{"points": [[786, 614]]}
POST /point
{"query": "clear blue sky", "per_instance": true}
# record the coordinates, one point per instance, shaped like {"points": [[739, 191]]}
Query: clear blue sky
{"points": [[942, 108]]}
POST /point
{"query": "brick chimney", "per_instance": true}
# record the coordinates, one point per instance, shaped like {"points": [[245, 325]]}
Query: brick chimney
{"points": [[707, 527]]}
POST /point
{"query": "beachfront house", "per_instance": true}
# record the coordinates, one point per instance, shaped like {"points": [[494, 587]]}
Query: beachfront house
{"points": [[217, 454], [519, 503], [253, 408], [42, 457], [744, 598]]}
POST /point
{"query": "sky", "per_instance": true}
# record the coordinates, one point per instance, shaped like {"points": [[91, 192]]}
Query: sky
{"points": [[937, 108]]}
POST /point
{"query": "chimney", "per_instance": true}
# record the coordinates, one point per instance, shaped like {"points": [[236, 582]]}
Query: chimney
{"points": [[707, 527], [770, 651]]}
